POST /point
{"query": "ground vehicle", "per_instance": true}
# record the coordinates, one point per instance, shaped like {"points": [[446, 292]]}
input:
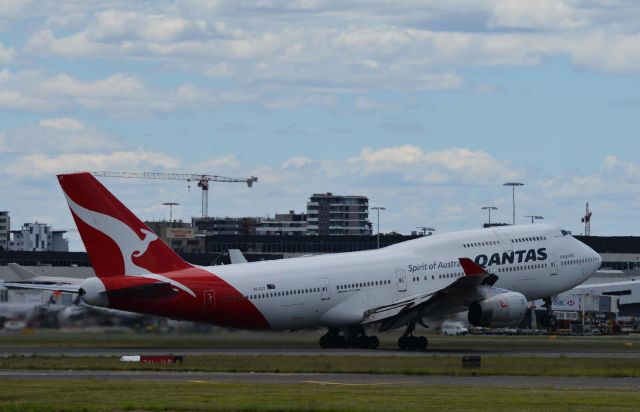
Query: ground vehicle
{"points": [[454, 329]]}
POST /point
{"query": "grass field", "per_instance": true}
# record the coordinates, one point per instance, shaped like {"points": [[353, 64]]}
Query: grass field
{"points": [[427, 365], [112, 395], [306, 339], [90, 396]]}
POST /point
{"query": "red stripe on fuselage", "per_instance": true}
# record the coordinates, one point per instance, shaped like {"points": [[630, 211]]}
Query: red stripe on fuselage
{"points": [[229, 308]]}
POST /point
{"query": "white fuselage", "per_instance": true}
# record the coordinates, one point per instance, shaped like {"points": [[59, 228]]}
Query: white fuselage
{"points": [[337, 290]]}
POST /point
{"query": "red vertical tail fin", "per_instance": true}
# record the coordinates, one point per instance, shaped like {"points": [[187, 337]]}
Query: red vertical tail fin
{"points": [[117, 242]]}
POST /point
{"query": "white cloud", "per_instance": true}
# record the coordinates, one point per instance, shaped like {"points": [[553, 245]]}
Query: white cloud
{"points": [[4, 147], [217, 165], [296, 162], [291, 54], [6, 54], [41, 165], [450, 166], [615, 178], [62, 123], [59, 135], [11, 8], [541, 14], [119, 94]]}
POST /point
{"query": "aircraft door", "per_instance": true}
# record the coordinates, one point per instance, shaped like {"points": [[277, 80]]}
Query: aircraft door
{"points": [[209, 304], [401, 278], [504, 240], [554, 269], [324, 289]]}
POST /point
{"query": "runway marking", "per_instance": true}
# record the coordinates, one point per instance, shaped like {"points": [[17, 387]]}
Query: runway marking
{"points": [[356, 384]]}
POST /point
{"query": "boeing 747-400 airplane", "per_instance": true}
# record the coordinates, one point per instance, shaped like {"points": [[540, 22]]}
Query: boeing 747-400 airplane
{"points": [[489, 274]]}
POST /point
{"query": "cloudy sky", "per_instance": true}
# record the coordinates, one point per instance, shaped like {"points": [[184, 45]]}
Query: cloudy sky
{"points": [[426, 107]]}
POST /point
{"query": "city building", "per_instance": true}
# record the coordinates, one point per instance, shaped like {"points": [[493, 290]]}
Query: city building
{"points": [[283, 224], [179, 235], [257, 247], [330, 214], [618, 252], [38, 237], [225, 225], [5, 230]]}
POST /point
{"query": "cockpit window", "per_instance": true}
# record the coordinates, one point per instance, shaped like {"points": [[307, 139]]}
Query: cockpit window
{"points": [[566, 232]]}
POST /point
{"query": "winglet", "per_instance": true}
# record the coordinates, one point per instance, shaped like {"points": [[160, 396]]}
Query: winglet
{"points": [[471, 268], [236, 256]]}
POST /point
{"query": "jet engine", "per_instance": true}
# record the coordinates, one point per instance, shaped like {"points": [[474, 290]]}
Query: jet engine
{"points": [[92, 292], [503, 309]]}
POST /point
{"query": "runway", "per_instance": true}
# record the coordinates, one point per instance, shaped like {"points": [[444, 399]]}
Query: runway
{"points": [[331, 379], [111, 352]]}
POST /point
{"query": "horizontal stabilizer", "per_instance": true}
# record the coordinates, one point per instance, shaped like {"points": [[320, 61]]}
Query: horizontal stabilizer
{"points": [[148, 291], [70, 288]]}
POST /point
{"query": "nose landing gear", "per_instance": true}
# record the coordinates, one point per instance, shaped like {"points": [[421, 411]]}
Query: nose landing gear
{"points": [[548, 320]]}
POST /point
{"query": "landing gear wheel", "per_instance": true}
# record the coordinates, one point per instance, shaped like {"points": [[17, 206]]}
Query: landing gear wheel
{"points": [[353, 342], [403, 342], [551, 321], [332, 339], [325, 342], [374, 342], [363, 342], [422, 343], [548, 320]]}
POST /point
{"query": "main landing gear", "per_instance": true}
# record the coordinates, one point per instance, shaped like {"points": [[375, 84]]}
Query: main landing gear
{"points": [[548, 320], [353, 338], [409, 342]]}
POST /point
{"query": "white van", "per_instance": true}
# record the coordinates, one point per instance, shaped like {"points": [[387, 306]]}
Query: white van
{"points": [[454, 329]]}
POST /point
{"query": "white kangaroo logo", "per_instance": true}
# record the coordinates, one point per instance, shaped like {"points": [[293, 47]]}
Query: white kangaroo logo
{"points": [[128, 242]]}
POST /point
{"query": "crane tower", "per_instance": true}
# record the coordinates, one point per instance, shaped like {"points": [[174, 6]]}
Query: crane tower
{"points": [[203, 181], [587, 221]]}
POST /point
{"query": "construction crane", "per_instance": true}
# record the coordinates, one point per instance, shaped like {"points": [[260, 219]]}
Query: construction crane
{"points": [[203, 181], [587, 221]]}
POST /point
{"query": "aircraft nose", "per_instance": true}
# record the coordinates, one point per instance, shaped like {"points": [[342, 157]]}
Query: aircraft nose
{"points": [[597, 259]]}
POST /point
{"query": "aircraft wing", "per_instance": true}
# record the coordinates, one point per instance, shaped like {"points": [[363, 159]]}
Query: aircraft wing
{"points": [[22, 273], [438, 303], [66, 287], [145, 291]]}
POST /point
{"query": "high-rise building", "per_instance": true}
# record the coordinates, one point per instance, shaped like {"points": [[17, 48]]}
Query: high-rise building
{"points": [[5, 230], [284, 224], [38, 237], [330, 214]]}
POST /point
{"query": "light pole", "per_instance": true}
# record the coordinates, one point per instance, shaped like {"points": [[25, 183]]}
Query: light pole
{"points": [[513, 194], [378, 209], [171, 205], [489, 209], [534, 217]]}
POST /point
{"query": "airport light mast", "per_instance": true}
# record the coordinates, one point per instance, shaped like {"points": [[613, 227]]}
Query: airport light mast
{"points": [[513, 186], [489, 209], [203, 181], [534, 217], [378, 209], [171, 205]]}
